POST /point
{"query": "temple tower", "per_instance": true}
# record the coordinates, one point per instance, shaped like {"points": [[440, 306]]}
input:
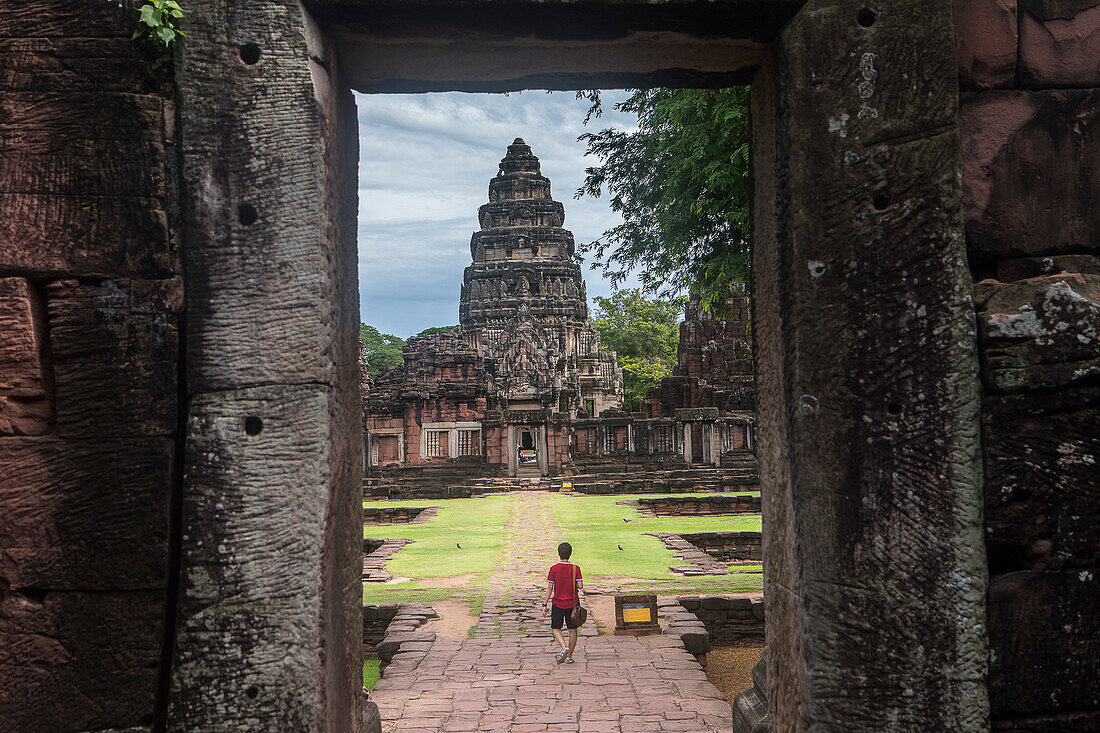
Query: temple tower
{"points": [[523, 302]]}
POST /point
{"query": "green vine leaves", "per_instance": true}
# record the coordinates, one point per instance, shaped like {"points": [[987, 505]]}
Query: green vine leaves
{"points": [[157, 26]]}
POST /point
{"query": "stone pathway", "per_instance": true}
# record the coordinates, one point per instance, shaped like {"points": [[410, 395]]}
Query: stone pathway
{"points": [[507, 680], [513, 604], [619, 684], [374, 563]]}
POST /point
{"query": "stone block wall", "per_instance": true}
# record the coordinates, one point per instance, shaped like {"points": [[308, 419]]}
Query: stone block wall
{"points": [[396, 515], [730, 620], [1030, 126], [376, 619], [714, 361], [558, 444], [728, 546], [701, 506], [91, 296], [496, 446]]}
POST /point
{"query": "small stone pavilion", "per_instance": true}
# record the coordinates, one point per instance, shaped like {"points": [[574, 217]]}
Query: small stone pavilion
{"points": [[525, 389]]}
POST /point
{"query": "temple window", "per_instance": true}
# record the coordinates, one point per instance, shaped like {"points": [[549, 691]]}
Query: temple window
{"points": [[469, 442], [436, 444], [662, 439]]}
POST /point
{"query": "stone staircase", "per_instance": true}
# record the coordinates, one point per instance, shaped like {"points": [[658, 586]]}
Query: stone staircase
{"points": [[670, 481], [435, 488]]}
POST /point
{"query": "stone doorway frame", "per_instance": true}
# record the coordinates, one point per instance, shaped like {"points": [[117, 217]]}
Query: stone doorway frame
{"points": [[538, 432], [874, 551]]}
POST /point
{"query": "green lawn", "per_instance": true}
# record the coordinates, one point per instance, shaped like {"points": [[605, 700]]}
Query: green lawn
{"points": [[592, 524], [371, 673], [476, 524]]}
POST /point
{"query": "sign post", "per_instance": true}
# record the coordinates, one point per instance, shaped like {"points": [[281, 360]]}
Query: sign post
{"points": [[636, 615]]}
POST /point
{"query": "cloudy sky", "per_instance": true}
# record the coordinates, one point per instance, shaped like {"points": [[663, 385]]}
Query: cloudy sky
{"points": [[425, 161]]}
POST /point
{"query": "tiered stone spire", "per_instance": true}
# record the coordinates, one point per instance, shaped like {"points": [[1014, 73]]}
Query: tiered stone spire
{"points": [[523, 299], [522, 255]]}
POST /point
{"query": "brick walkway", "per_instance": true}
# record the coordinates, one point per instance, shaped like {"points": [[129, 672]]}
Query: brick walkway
{"points": [[513, 604], [507, 681], [513, 685]]}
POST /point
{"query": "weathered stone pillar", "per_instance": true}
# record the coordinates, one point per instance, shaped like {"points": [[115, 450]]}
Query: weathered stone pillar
{"points": [[269, 614], [868, 438]]}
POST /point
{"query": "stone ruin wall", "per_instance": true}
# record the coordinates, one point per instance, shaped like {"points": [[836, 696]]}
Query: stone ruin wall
{"points": [[714, 365], [85, 504], [91, 299], [1029, 115], [442, 381]]}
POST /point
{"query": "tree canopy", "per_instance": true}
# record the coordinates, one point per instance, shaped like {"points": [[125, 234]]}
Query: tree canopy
{"points": [[383, 350], [681, 183], [644, 332], [439, 329]]}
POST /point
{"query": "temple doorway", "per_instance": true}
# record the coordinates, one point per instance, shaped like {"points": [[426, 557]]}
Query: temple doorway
{"points": [[528, 457]]}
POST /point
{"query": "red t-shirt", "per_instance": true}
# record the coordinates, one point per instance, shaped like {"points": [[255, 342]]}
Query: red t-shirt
{"points": [[565, 591]]}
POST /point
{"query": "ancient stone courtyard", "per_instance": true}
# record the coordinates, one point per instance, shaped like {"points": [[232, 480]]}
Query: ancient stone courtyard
{"points": [[512, 684], [506, 678], [180, 453]]}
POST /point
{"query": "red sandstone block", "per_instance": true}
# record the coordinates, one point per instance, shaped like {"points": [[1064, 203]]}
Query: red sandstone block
{"points": [[81, 144], [59, 651], [985, 43], [1029, 163], [1043, 642], [115, 346], [1040, 488], [49, 212], [78, 64], [1060, 43], [99, 20], [88, 515], [26, 406]]}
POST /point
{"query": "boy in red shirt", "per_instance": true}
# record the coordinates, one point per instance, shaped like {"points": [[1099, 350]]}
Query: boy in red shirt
{"points": [[566, 595]]}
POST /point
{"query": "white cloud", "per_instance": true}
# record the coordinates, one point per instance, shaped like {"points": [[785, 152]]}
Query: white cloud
{"points": [[425, 161]]}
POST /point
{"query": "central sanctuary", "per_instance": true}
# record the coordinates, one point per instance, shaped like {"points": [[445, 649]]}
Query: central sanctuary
{"points": [[526, 390], [523, 302]]}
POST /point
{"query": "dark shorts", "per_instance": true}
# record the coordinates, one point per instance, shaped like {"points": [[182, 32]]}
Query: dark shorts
{"points": [[559, 616]]}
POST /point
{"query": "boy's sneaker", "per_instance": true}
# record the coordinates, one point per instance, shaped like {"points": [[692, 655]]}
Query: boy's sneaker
{"points": [[569, 660], [561, 655]]}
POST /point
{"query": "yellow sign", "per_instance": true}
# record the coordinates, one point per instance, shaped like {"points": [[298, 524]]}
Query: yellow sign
{"points": [[636, 613], [567, 484]]}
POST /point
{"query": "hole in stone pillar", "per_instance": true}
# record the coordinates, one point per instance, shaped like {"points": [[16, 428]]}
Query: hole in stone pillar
{"points": [[866, 17], [247, 214], [893, 408], [1005, 557], [253, 425], [253, 692], [880, 202], [37, 596], [250, 53]]}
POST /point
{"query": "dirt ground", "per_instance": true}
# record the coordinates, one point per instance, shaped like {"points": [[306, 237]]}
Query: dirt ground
{"points": [[454, 620], [602, 609], [729, 668], [451, 581]]}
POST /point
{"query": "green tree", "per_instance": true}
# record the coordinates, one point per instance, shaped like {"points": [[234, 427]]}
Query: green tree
{"points": [[383, 350], [439, 329], [681, 183], [644, 332]]}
